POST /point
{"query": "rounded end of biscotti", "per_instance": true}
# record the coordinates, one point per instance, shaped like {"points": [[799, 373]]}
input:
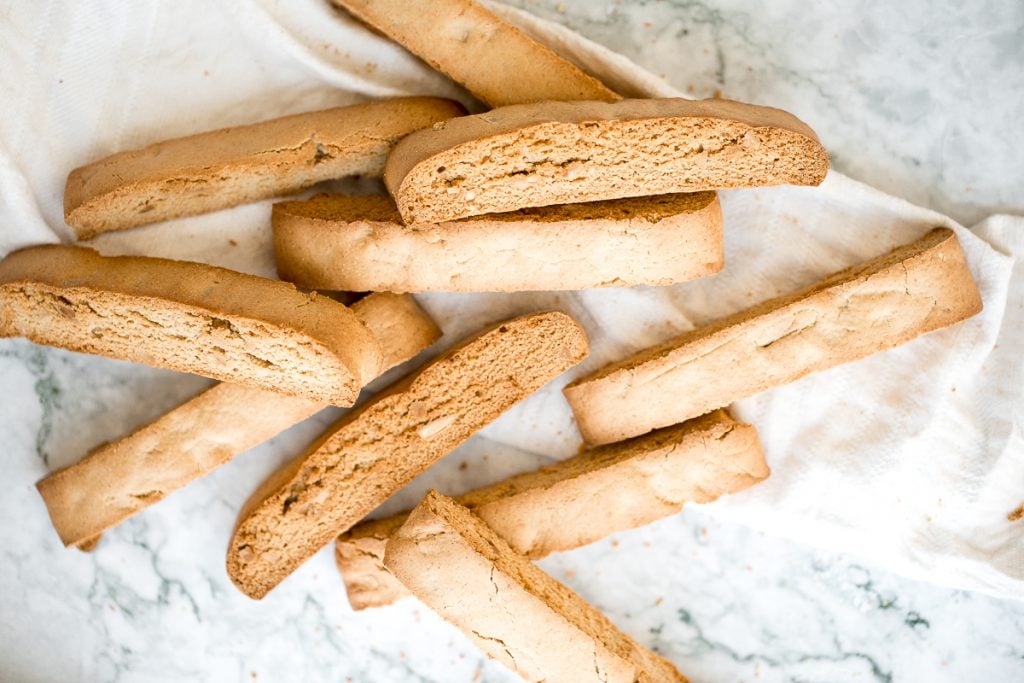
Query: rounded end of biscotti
{"points": [[572, 344], [246, 562], [85, 212], [74, 195], [248, 585]]}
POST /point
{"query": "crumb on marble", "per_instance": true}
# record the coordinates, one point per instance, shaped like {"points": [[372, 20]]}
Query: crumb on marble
{"points": [[1017, 514]]}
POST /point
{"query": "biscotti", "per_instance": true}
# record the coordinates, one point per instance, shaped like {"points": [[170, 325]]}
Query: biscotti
{"points": [[580, 500], [518, 615], [569, 152], [120, 479], [381, 446], [359, 243], [189, 317], [493, 59], [222, 168], [885, 302]]}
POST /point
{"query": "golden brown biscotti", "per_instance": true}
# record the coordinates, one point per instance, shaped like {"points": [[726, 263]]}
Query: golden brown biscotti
{"points": [[569, 152], [119, 479], [518, 615], [582, 499], [381, 446], [359, 244], [885, 302], [189, 317], [223, 168], [493, 59]]}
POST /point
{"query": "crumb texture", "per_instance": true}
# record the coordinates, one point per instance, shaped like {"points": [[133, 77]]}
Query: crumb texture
{"points": [[561, 153], [880, 304], [188, 317], [378, 448]]}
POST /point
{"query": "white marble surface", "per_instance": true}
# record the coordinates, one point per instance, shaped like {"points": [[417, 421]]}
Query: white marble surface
{"points": [[918, 100]]}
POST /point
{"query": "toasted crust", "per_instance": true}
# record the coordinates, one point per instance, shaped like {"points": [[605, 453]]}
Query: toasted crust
{"points": [[359, 244], [120, 479], [222, 168], [381, 446], [477, 49], [568, 152], [632, 483], [885, 302], [188, 317], [518, 615]]}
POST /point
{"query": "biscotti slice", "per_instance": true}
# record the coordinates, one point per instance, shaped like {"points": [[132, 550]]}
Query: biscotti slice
{"points": [[569, 152], [493, 59], [631, 483], [120, 479], [381, 446], [359, 244], [189, 317], [518, 615], [885, 302], [223, 168]]}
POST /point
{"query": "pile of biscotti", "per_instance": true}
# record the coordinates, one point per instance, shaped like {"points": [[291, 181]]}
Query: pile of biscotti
{"points": [[562, 185]]}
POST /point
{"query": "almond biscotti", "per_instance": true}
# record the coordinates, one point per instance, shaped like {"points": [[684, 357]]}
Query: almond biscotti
{"points": [[223, 168], [518, 615], [569, 152], [122, 478], [358, 243], [493, 59], [189, 317], [632, 483], [381, 446], [885, 302]]}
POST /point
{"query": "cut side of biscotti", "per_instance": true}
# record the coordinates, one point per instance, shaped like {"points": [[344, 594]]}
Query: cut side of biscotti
{"points": [[570, 152], [491, 58], [223, 168], [381, 446], [632, 483], [358, 243], [189, 317], [885, 302], [518, 615], [122, 478]]}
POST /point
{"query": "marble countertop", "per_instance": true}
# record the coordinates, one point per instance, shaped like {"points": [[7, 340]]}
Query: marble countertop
{"points": [[918, 99]]}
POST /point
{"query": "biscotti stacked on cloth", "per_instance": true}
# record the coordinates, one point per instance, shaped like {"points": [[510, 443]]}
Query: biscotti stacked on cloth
{"points": [[563, 185], [550, 195]]}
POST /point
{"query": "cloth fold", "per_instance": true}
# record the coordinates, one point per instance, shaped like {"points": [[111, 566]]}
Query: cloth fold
{"points": [[913, 458]]}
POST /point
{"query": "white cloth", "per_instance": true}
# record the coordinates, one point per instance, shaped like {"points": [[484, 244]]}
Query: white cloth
{"points": [[912, 458]]}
